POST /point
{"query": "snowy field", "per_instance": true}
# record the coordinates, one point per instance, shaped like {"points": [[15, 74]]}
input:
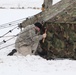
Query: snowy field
{"points": [[31, 64], [11, 16]]}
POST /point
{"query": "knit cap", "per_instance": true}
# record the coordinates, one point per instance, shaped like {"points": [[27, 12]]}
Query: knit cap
{"points": [[39, 25]]}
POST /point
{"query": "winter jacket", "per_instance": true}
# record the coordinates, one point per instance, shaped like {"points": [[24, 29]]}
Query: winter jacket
{"points": [[28, 38]]}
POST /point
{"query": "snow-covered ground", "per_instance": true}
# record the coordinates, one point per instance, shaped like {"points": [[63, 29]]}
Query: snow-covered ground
{"points": [[31, 64], [35, 65], [11, 15]]}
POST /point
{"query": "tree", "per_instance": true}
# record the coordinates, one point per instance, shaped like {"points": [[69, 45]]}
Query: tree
{"points": [[47, 3]]}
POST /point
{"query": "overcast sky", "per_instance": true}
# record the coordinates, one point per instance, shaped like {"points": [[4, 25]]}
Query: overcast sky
{"points": [[18, 1]]}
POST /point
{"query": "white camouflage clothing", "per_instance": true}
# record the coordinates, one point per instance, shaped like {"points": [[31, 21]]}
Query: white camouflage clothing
{"points": [[27, 40]]}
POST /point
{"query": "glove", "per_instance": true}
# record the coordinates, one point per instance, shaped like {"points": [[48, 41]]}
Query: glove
{"points": [[44, 36]]}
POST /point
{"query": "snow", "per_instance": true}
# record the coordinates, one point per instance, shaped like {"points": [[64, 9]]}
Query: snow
{"points": [[31, 64], [15, 14], [35, 65], [55, 1]]}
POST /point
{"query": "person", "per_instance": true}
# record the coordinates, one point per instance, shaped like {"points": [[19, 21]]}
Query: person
{"points": [[27, 42]]}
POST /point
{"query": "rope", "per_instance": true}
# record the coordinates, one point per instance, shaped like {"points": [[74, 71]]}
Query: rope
{"points": [[8, 36], [4, 41], [8, 32], [7, 46], [11, 23], [14, 43]]}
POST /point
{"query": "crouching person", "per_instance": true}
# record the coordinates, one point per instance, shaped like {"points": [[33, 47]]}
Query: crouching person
{"points": [[27, 41]]}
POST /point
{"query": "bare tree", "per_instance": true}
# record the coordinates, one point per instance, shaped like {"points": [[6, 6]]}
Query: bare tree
{"points": [[47, 3]]}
